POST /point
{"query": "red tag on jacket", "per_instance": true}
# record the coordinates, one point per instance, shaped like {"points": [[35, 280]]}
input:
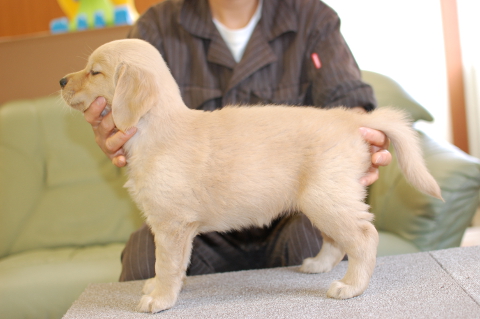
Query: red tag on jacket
{"points": [[316, 60]]}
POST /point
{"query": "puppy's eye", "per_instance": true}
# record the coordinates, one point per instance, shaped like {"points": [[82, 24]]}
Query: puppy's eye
{"points": [[94, 72]]}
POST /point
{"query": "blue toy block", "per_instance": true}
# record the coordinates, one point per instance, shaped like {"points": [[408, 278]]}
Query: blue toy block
{"points": [[59, 25], [99, 19], [122, 16], [82, 23]]}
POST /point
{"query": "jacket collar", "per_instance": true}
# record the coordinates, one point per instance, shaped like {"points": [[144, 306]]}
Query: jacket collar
{"points": [[277, 19]]}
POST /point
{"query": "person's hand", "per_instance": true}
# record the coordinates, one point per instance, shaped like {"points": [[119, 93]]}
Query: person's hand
{"points": [[107, 136], [379, 143]]}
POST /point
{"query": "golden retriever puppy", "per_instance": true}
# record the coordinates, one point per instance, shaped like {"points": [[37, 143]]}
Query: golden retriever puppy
{"points": [[191, 171]]}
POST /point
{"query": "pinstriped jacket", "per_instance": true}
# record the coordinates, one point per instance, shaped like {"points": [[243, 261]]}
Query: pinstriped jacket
{"points": [[296, 55]]}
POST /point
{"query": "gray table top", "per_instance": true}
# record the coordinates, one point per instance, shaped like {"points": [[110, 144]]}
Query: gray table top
{"points": [[437, 284]]}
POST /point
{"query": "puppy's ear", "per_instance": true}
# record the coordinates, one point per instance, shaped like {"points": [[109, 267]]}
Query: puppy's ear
{"points": [[135, 94]]}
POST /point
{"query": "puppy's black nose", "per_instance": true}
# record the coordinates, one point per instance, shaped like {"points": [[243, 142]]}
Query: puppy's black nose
{"points": [[63, 82]]}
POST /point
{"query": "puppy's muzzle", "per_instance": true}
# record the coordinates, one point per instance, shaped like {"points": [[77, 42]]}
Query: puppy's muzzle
{"points": [[63, 82]]}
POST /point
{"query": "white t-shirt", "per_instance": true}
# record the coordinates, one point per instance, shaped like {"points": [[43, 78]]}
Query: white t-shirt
{"points": [[237, 39]]}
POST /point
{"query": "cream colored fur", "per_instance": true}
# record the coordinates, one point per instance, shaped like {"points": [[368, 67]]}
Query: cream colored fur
{"points": [[192, 171]]}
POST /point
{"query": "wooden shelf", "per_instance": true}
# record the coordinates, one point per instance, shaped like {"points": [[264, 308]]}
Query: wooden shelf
{"points": [[31, 66]]}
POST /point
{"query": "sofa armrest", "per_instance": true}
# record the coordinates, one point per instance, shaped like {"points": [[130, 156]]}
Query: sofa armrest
{"points": [[21, 177], [57, 188], [425, 221]]}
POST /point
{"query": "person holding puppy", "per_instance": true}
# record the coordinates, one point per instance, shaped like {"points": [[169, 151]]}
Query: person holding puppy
{"points": [[243, 52]]}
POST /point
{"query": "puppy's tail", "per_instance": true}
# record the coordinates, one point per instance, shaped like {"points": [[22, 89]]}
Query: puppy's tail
{"points": [[396, 125]]}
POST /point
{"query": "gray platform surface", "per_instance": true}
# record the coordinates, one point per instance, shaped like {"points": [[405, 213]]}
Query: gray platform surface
{"points": [[438, 284]]}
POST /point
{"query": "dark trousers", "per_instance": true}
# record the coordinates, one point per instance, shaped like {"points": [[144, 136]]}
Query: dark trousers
{"points": [[287, 242]]}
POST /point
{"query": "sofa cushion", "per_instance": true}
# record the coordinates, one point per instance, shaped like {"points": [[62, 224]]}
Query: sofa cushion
{"points": [[57, 189], [425, 221], [391, 244], [44, 283]]}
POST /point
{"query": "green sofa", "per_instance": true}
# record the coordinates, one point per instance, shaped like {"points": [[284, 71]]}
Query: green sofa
{"points": [[64, 215]]}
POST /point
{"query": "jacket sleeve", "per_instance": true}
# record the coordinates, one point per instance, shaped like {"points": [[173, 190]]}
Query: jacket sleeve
{"points": [[336, 77]]}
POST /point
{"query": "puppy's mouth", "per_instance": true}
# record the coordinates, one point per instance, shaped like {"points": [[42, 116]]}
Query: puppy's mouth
{"points": [[81, 105], [69, 98]]}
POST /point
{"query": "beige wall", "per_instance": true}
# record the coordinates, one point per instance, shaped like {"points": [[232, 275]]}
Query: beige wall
{"points": [[32, 66]]}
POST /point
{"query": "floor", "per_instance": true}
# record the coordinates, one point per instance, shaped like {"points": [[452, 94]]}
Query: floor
{"points": [[472, 234]]}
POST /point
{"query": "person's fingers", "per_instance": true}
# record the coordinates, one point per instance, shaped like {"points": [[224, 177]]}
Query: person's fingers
{"points": [[381, 158], [370, 177], [375, 138], [119, 161], [116, 141], [379, 144], [106, 127], [93, 114], [109, 139]]}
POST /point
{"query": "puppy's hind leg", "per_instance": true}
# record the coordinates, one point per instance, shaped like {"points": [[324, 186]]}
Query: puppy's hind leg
{"points": [[361, 249], [173, 245], [347, 224], [329, 256]]}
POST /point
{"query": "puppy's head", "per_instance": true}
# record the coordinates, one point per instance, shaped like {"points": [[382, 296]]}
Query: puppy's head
{"points": [[125, 73]]}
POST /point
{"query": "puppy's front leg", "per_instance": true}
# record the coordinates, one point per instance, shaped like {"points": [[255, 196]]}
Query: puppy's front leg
{"points": [[173, 245]]}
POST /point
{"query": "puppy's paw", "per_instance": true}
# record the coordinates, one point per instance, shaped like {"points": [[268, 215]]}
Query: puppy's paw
{"points": [[340, 290], [155, 302], [314, 266], [149, 286]]}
